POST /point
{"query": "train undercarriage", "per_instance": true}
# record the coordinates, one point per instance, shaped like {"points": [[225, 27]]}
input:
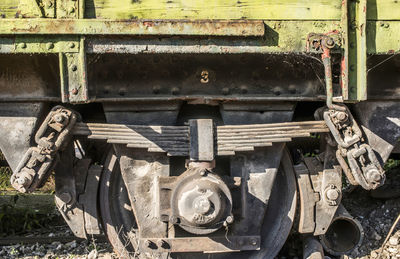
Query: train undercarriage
{"points": [[180, 138]]}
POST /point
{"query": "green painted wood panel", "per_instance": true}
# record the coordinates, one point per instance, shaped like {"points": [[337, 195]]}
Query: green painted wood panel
{"points": [[215, 9], [210, 9]]}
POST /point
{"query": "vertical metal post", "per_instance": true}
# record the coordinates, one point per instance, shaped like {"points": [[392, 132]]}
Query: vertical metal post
{"points": [[354, 82], [73, 71]]}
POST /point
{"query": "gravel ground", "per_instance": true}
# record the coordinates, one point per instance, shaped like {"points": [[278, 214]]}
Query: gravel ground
{"points": [[375, 215]]}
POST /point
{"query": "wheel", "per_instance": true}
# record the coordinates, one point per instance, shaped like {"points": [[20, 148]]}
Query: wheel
{"points": [[118, 221]]}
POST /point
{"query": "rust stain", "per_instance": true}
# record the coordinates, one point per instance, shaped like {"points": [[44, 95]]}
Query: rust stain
{"points": [[34, 29]]}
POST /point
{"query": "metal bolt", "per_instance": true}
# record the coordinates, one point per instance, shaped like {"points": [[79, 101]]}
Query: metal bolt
{"points": [[203, 172], [225, 90], [341, 116], [253, 241], [50, 45], [386, 25], [156, 89], [332, 194], [74, 91], [373, 175], [21, 180], [74, 68], [72, 45], [277, 91], [175, 90], [22, 45], [292, 89], [66, 197], [173, 220], [202, 204], [58, 118], [229, 219], [330, 42]]}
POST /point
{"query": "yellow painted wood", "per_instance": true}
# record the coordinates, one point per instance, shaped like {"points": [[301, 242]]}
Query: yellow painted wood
{"points": [[211, 9], [214, 9], [383, 10]]}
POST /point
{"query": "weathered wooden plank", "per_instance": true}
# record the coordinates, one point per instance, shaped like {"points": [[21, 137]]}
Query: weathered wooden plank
{"points": [[214, 9], [185, 9], [210, 9], [127, 27]]}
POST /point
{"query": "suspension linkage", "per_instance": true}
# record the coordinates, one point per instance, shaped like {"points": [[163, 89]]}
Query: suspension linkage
{"points": [[38, 161]]}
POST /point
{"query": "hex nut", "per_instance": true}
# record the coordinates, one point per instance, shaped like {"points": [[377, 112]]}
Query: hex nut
{"points": [[229, 219]]}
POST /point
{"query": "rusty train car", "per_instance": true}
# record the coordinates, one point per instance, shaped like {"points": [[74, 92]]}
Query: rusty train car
{"points": [[172, 126]]}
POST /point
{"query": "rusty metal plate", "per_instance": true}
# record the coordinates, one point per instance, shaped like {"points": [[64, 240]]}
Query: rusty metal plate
{"points": [[132, 27], [200, 244]]}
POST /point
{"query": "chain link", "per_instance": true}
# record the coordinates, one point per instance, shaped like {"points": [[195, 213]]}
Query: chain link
{"points": [[362, 166]]}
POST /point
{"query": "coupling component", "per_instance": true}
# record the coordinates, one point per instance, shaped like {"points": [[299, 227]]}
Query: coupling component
{"points": [[362, 166], [38, 161]]}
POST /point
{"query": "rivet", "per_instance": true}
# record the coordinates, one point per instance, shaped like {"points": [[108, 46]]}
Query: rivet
{"points": [[22, 45], [74, 91], [74, 68], [156, 89], [386, 25], [175, 90], [50, 45], [277, 91], [225, 90], [72, 45]]}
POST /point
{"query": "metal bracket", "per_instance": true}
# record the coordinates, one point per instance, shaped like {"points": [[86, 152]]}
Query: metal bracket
{"points": [[73, 72], [319, 197], [73, 75], [200, 244], [201, 140]]}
